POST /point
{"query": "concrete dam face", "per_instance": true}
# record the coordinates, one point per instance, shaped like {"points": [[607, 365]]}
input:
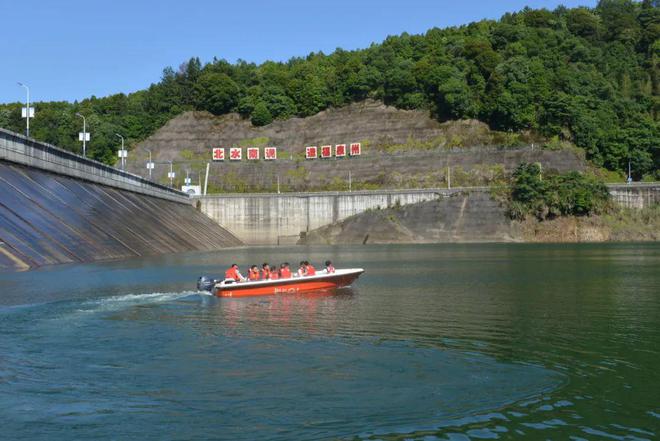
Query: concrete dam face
{"points": [[47, 218]]}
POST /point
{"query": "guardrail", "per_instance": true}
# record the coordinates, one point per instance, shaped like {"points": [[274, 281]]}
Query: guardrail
{"points": [[443, 190], [19, 149], [394, 191]]}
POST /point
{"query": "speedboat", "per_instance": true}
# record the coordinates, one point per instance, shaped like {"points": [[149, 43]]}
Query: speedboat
{"points": [[322, 281]]}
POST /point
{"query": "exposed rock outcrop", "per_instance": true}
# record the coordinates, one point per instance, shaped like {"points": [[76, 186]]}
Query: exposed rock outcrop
{"points": [[476, 217], [463, 217]]}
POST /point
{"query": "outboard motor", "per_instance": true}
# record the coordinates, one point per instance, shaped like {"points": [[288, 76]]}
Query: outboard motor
{"points": [[206, 283]]}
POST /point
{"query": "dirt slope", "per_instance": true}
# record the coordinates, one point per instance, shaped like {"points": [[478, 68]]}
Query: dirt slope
{"points": [[401, 148]]}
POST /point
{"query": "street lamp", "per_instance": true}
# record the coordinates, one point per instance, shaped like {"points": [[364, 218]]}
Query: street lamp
{"points": [[122, 152], [171, 175], [84, 136], [150, 164], [629, 180], [27, 112]]}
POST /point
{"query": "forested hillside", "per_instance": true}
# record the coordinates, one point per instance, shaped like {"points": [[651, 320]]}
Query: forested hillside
{"points": [[591, 76]]}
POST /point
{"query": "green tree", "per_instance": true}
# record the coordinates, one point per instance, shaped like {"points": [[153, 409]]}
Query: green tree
{"points": [[570, 194], [261, 116], [216, 92], [588, 75], [619, 19], [582, 22]]}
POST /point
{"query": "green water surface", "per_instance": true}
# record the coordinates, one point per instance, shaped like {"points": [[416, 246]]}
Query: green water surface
{"points": [[478, 341]]}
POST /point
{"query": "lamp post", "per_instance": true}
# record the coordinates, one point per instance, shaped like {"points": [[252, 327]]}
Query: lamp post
{"points": [[84, 134], [150, 164], [122, 152], [171, 176], [28, 112]]}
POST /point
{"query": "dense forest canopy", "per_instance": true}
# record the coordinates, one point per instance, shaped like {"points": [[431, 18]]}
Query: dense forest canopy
{"points": [[591, 76]]}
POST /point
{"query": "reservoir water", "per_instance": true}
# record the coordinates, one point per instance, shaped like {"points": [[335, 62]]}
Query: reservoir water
{"points": [[475, 341]]}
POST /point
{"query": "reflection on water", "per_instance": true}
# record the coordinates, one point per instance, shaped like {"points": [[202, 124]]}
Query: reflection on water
{"points": [[434, 342]]}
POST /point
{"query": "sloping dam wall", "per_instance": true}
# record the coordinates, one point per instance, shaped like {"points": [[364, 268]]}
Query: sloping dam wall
{"points": [[58, 207], [47, 218]]}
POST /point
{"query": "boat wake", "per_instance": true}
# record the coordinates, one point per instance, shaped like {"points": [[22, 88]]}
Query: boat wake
{"points": [[137, 299]]}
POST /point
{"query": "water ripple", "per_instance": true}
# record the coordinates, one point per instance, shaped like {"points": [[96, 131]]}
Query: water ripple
{"points": [[495, 342]]}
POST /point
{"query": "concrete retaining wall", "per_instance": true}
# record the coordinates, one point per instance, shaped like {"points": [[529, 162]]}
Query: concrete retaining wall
{"points": [[281, 218], [638, 195], [18, 149]]}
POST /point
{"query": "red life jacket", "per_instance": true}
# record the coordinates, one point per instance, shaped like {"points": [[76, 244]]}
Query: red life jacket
{"points": [[266, 274], [274, 275], [311, 271], [232, 273], [285, 273], [253, 275]]}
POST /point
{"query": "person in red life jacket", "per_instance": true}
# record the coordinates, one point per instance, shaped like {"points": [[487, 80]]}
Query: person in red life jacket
{"points": [[302, 269], [285, 271], [253, 273], [234, 274], [328, 267], [309, 269], [274, 274], [265, 272]]}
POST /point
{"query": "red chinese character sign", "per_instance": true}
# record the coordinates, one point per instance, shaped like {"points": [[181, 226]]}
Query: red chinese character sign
{"points": [[253, 153], [235, 153], [219, 154], [356, 149], [340, 150], [311, 152], [270, 153], [326, 151]]}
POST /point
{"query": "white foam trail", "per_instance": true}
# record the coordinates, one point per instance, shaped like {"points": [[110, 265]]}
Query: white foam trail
{"points": [[115, 303]]}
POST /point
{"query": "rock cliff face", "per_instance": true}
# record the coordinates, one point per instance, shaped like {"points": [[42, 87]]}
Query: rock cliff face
{"points": [[476, 217], [401, 148], [463, 217]]}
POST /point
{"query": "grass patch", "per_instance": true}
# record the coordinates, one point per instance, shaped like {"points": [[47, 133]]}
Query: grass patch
{"points": [[260, 141]]}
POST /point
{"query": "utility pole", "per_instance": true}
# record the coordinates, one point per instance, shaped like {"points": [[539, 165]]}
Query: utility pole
{"points": [[28, 112], [206, 179], [84, 137], [350, 182]]}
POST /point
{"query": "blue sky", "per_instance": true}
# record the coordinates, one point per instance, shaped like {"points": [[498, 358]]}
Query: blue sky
{"points": [[73, 49]]}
